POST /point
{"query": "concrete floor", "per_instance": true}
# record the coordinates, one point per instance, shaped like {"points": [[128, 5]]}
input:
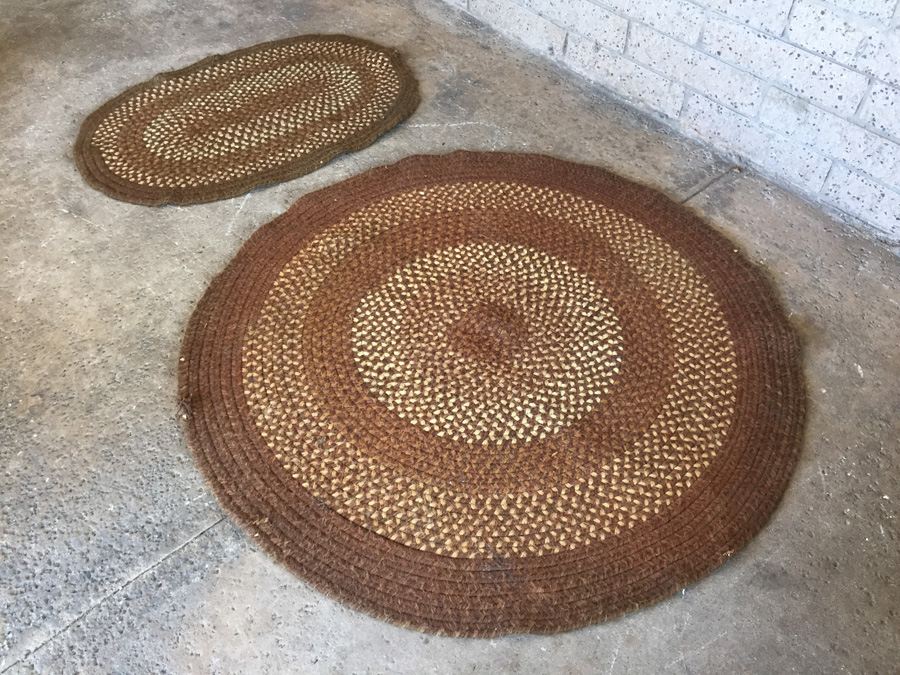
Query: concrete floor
{"points": [[114, 557]]}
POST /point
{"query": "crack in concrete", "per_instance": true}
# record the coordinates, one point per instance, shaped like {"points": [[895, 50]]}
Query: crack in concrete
{"points": [[708, 184], [30, 653]]}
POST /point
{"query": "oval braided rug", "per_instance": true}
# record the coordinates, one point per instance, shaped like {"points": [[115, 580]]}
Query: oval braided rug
{"points": [[487, 393], [233, 122]]}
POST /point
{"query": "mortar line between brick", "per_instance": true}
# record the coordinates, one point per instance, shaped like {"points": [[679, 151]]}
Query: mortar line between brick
{"points": [[821, 189], [658, 71], [112, 593], [708, 184], [855, 117], [787, 20], [715, 14], [698, 46]]}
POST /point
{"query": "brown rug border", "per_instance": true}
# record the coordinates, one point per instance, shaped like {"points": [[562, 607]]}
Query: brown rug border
{"points": [[93, 171], [647, 205]]}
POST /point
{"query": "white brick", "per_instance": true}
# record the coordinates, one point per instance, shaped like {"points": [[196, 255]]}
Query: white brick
{"points": [[864, 44], [713, 78], [864, 198], [805, 74], [768, 15], [880, 56], [796, 164], [680, 19], [796, 91], [520, 24], [878, 9], [881, 111], [624, 76], [585, 18], [806, 124], [824, 30]]}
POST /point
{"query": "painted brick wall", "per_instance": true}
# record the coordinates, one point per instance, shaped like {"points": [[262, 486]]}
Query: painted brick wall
{"points": [[807, 91]]}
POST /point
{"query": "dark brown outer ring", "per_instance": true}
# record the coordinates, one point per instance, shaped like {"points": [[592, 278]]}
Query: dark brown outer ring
{"points": [[720, 513], [94, 172]]}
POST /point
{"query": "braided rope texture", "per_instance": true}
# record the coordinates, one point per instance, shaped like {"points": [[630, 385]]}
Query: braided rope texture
{"points": [[234, 122], [486, 393]]}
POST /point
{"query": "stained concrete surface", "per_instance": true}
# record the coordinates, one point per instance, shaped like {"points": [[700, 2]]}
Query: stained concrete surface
{"points": [[114, 557]]}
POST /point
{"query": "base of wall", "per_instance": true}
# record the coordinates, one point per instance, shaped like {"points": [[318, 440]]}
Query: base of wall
{"points": [[826, 131]]}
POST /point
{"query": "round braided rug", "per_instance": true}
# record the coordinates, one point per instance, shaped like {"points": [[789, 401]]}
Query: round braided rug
{"points": [[486, 393], [233, 122]]}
